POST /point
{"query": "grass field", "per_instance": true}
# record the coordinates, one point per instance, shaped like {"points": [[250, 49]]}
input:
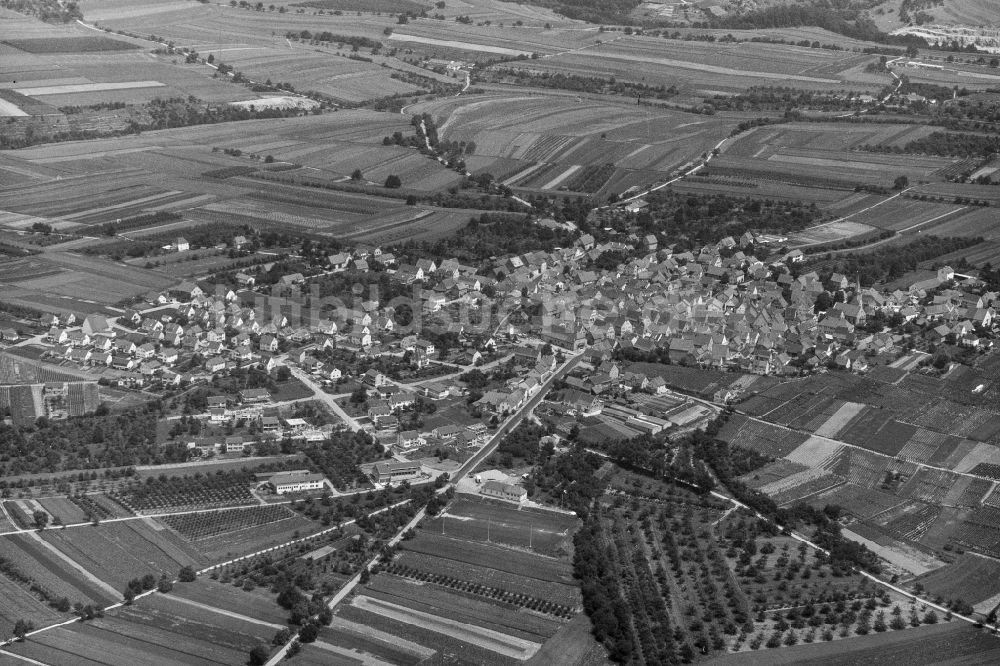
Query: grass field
{"points": [[543, 532]]}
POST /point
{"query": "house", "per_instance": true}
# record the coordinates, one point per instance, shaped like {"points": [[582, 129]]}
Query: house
{"points": [[122, 362], [338, 262], [378, 413], [296, 482], [254, 396], [181, 244], [409, 439], [504, 491], [94, 324], [436, 391], [268, 343], [373, 378], [216, 401], [235, 444], [215, 364], [270, 424], [390, 471], [57, 335]]}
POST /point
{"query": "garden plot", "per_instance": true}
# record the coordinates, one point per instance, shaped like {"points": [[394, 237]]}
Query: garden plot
{"points": [[832, 427], [772, 472], [981, 453], [815, 452], [857, 500], [764, 438], [922, 445]]}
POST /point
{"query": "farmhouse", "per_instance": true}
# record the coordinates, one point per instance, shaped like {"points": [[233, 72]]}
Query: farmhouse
{"points": [[504, 491], [388, 472], [296, 482]]}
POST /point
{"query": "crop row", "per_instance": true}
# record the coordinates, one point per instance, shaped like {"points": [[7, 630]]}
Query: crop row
{"points": [[203, 525], [521, 600]]}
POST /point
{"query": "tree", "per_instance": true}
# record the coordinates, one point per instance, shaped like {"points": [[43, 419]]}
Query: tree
{"points": [[309, 633], [901, 183], [21, 629], [393, 181], [186, 575], [259, 655], [357, 175], [41, 519], [164, 585]]}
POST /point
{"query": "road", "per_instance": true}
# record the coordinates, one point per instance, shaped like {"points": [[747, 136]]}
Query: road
{"points": [[483, 453], [325, 398], [514, 421]]}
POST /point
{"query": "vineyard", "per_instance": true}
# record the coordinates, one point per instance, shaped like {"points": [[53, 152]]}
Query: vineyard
{"points": [[197, 526], [591, 178]]}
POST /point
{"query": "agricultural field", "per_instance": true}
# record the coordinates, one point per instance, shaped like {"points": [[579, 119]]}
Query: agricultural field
{"points": [[157, 630], [542, 143], [942, 643], [218, 536], [118, 552], [868, 458], [45, 565], [448, 590], [757, 584], [732, 66], [542, 532], [971, 579], [18, 602]]}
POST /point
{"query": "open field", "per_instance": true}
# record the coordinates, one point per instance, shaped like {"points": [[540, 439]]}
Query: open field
{"points": [[119, 552], [17, 602], [154, 630], [732, 66], [82, 185], [257, 604], [970, 578], [53, 572], [474, 520], [489, 639]]}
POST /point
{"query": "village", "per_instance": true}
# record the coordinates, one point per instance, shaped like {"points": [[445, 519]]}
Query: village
{"points": [[430, 378]]}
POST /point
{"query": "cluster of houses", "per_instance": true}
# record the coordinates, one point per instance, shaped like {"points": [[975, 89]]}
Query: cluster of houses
{"points": [[717, 307], [720, 307]]}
